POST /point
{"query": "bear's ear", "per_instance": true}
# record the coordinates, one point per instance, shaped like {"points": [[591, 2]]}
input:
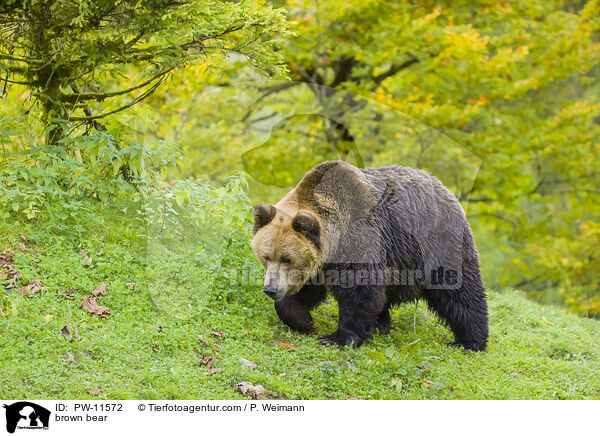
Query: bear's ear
{"points": [[263, 214], [308, 225]]}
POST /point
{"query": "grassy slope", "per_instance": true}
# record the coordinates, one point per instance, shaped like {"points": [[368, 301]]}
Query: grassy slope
{"points": [[534, 352]]}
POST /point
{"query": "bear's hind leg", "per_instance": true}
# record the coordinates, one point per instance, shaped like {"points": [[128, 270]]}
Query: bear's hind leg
{"points": [[465, 311]]}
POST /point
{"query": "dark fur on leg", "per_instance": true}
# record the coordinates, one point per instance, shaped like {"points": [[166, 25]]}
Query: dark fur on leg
{"points": [[384, 322], [294, 310], [465, 309], [359, 310]]}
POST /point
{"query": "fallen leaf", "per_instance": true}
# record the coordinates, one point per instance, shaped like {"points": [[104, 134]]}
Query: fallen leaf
{"points": [[3, 274], [156, 350], [283, 374], [12, 273], [99, 290], [546, 321], [96, 390], [135, 285], [91, 305], [206, 360], [214, 370], [2, 312], [6, 258], [204, 341], [216, 348], [23, 237], [219, 334], [65, 331], [289, 346], [69, 357], [248, 363], [23, 247], [157, 327], [249, 390], [84, 251], [48, 317], [33, 287], [87, 259], [427, 383]]}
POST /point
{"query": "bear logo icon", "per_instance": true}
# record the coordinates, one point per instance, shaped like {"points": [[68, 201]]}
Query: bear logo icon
{"points": [[24, 414]]}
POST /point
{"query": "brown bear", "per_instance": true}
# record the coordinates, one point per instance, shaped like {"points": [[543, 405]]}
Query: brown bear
{"points": [[372, 238]]}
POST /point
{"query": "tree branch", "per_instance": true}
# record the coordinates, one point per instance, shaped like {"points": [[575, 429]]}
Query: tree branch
{"points": [[135, 101], [395, 69], [72, 98]]}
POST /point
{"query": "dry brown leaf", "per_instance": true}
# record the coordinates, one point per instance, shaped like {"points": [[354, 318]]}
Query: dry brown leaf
{"points": [[87, 259], [23, 237], [427, 383], [69, 358], [135, 285], [33, 287], [206, 360], [289, 346], [248, 363], [249, 390], [3, 274], [65, 331], [99, 290], [13, 273], [6, 258], [23, 247], [96, 390], [214, 370], [156, 350], [91, 305], [219, 334], [84, 251], [204, 341]]}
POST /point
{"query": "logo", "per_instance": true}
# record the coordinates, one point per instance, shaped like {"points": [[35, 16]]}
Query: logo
{"points": [[26, 415]]}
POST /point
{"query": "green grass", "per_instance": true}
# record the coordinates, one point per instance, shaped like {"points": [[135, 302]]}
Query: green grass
{"points": [[534, 351]]}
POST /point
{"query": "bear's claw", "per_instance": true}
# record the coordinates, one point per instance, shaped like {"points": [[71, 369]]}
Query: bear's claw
{"points": [[331, 339]]}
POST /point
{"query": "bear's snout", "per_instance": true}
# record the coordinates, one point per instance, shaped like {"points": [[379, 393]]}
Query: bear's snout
{"points": [[270, 291]]}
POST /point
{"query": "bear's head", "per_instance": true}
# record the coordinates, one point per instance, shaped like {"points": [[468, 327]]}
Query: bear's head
{"points": [[288, 246]]}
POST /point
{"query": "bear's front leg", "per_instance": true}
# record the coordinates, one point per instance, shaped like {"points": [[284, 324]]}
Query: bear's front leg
{"points": [[359, 310], [294, 314], [294, 310]]}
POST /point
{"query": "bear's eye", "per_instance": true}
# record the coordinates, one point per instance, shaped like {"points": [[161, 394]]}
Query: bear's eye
{"points": [[286, 260]]}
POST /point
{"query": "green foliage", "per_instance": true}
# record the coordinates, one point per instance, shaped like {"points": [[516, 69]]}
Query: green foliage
{"points": [[71, 53], [197, 234], [60, 179]]}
